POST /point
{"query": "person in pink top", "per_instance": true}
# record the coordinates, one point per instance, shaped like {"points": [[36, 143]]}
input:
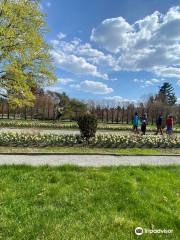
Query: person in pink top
{"points": [[169, 124]]}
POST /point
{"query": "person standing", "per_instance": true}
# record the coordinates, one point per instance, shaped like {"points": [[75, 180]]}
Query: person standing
{"points": [[159, 122], [169, 124], [144, 123], [135, 122]]}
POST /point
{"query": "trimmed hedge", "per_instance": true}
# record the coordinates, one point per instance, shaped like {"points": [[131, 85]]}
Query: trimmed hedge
{"points": [[87, 125]]}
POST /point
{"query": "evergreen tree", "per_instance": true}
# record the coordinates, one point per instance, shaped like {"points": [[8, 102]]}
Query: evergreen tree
{"points": [[166, 94]]}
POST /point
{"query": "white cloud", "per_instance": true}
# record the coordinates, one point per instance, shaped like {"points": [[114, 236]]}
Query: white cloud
{"points": [[61, 35], [111, 34], [65, 81], [178, 100], [77, 58], [77, 65], [146, 83], [151, 82], [138, 80], [54, 42], [178, 82], [119, 101], [59, 85], [95, 56], [155, 80], [150, 44], [93, 87], [168, 72]]}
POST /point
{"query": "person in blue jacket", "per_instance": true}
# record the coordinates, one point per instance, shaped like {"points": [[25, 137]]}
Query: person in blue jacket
{"points": [[135, 122]]}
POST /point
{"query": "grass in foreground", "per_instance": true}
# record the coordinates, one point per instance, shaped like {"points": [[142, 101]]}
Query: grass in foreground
{"points": [[90, 150], [88, 203]]}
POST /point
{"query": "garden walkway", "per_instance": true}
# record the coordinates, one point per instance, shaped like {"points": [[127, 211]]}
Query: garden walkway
{"points": [[88, 160], [66, 131]]}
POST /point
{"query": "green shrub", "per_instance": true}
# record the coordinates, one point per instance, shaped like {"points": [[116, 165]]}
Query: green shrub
{"points": [[87, 125]]}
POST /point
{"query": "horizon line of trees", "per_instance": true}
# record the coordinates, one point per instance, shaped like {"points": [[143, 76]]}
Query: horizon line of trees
{"points": [[46, 105], [164, 101]]}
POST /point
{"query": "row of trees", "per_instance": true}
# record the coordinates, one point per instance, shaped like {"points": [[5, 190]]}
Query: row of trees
{"points": [[47, 104], [122, 112]]}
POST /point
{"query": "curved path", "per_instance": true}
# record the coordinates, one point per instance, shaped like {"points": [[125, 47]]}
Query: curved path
{"points": [[88, 160]]}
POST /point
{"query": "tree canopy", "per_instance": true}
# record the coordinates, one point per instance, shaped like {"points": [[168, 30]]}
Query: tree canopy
{"points": [[25, 62], [72, 107], [166, 94]]}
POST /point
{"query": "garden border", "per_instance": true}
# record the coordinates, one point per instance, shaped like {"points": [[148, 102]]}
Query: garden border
{"points": [[93, 154]]}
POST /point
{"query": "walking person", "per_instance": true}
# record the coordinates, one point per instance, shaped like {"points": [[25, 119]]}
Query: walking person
{"points": [[159, 122], [144, 123], [135, 122], [169, 124]]}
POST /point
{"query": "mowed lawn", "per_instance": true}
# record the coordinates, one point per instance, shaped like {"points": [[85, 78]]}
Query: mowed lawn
{"points": [[71, 202]]}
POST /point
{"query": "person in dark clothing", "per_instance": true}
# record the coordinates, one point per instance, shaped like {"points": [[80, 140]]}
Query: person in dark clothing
{"points": [[144, 123], [159, 122], [60, 111]]}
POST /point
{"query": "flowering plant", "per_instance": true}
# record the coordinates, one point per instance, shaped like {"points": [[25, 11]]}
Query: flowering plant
{"points": [[106, 140]]}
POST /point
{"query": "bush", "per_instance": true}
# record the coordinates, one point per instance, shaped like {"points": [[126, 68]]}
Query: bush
{"points": [[87, 125]]}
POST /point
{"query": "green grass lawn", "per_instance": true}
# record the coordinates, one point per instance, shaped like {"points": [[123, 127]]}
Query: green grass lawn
{"points": [[90, 150], [88, 203]]}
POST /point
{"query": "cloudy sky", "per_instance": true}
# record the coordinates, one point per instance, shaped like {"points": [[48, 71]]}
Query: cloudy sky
{"points": [[112, 49]]}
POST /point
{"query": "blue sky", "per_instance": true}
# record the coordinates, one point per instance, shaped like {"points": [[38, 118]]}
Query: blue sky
{"points": [[111, 49]]}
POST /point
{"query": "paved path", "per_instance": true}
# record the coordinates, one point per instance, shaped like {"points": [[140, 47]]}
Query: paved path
{"points": [[65, 131], [88, 160], [57, 131]]}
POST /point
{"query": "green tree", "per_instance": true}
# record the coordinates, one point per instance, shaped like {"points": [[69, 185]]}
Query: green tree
{"points": [[77, 108], [25, 61], [166, 94], [72, 107]]}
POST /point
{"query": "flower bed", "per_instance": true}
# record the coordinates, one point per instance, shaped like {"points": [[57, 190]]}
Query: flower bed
{"points": [[61, 125], [35, 124], [116, 141], [130, 141], [21, 139]]}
